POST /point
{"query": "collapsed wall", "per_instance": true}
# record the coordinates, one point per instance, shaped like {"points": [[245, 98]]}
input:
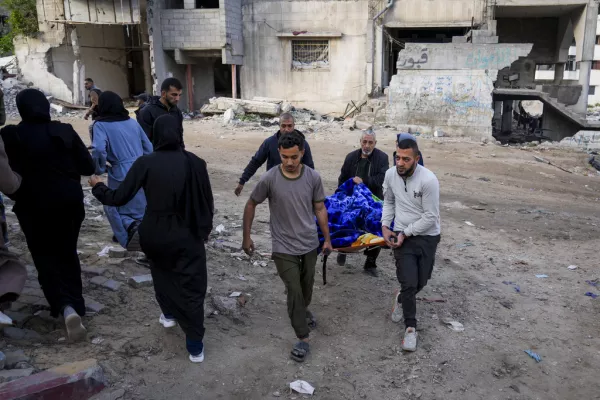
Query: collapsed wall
{"points": [[448, 86]]}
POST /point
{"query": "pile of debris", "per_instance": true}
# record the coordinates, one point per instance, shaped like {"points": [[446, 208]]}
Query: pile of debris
{"points": [[12, 86]]}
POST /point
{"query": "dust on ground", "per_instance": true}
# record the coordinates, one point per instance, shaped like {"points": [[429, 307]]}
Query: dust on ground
{"points": [[528, 218]]}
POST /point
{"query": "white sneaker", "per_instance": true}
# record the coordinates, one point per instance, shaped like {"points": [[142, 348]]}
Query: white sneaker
{"points": [[197, 359], [397, 313], [166, 322], [410, 340], [75, 329]]}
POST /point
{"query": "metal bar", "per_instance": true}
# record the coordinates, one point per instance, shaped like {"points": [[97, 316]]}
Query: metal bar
{"points": [[234, 81], [325, 256], [190, 88]]}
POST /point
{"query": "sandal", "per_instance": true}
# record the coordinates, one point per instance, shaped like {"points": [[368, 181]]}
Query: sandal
{"points": [[300, 351], [311, 320]]}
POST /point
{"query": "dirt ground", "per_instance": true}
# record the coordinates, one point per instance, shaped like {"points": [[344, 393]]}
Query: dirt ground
{"points": [[528, 218]]}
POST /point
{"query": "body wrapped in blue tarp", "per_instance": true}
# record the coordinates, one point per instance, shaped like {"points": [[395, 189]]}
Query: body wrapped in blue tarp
{"points": [[352, 211]]}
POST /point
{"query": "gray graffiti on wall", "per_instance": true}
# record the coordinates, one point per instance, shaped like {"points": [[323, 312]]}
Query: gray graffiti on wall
{"points": [[411, 62]]}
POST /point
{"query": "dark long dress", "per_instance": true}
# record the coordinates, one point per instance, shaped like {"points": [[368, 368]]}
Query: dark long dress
{"points": [[51, 158], [177, 221]]}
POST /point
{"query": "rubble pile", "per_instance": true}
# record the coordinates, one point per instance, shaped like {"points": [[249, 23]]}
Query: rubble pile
{"points": [[12, 86]]}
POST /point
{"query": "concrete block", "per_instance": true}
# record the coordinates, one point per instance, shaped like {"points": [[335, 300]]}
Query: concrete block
{"points": [[363, 125], [10, 375], [78, 380], [96, 271], [140, 281], [118, 253], [485, 40], [482, 33], [21, 334], [569, 94], [106, 283], [13, 357]]}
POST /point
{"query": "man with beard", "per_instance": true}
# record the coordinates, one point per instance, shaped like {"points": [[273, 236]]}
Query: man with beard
{"points": [[269, 152], [170, 93], [412, 201], [366, 165], [296, 197]]}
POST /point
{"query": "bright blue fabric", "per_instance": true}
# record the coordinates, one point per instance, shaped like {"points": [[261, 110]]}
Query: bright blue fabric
{"points": [[352, 211], [120, 143]]}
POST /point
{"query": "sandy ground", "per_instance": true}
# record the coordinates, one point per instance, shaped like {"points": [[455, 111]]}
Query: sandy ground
{"points": [[529, 218]]}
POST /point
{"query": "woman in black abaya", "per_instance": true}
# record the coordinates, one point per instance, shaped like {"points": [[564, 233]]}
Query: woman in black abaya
{"points": [[178, 219], [50, 157]]}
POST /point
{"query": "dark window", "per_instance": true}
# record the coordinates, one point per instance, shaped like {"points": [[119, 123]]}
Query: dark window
{"points": [[310, 54], [598, 39], [592, 90], [595, 64], [571, 65]]}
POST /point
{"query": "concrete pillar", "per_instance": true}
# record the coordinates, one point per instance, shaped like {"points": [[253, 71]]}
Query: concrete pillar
{"points": [[498, 115], [559, 72], [585, 33], [507, 117], [157, 55], [189, 4]]}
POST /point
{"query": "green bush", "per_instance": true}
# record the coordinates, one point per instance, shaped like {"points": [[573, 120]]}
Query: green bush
{"points": [[22, 20]]}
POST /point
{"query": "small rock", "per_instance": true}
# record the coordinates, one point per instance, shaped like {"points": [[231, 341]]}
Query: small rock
{"points": [[14, 357], [93, 306], [229, 116], [276, 394], [14, 374], [286, 107], [118, 253], [363, 125], [140, 281], [19, 334], [106, 283], [96, 271]]}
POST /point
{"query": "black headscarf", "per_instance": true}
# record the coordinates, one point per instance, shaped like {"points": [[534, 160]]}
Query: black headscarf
{"points": [[168, 137], [111, 108], [197, 205], [33, 106]]}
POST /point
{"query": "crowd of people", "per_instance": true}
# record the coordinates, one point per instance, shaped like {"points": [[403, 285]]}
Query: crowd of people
{"points": [[158, 199]]}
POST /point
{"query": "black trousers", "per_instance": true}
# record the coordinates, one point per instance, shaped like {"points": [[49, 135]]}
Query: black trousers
{"points": [[414, 265], [180, 281], [51, 236]]}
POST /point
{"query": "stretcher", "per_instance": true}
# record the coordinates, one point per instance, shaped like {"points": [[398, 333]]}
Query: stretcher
{"points": [[349, 250]]}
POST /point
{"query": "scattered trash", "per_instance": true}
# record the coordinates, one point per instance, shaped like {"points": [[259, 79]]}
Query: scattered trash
{"points": [[533, 355], [454, 325], [543, 160], [541, 276], [572, 267], [592, 295], [514, 285], [259, 263], [302, 387], [464, 245], [220, 228], [97, 340], [104, 252], [594, 283], [469, 223], [235, 294]]}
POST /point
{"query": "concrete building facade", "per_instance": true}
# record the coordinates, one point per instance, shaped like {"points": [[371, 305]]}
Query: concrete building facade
{"points": [[447, 64]]}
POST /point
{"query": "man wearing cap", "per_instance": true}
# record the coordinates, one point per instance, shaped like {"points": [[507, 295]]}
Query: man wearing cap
{"points": [[142, 101], [366, 165]]}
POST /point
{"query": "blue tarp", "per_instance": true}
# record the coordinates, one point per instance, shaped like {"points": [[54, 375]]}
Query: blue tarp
{"points": [[353, 211]]}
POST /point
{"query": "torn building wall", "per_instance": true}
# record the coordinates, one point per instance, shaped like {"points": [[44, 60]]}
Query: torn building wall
{"points": [[448, 87], [325, 78]]}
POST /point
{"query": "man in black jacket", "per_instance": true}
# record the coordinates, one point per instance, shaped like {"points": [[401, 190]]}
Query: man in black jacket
{"points": [[269, 152], [170, 93], [367, 165]]}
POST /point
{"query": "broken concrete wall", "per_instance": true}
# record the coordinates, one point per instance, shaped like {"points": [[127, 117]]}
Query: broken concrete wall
{"points": [[267, 69], [587, 140], [48, 61], [448, 87], [434, 13], [34, 62]]}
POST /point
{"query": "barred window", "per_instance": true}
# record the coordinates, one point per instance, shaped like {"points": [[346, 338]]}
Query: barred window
{"points": [[310, 54]]}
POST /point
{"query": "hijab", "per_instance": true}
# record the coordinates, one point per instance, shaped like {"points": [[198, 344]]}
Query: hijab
{"points": [[166, 133], [196, 205], [33, 106], [111, 108]]}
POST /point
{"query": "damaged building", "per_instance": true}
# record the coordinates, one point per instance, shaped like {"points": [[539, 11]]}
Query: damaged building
{"points": [[461, 66]]}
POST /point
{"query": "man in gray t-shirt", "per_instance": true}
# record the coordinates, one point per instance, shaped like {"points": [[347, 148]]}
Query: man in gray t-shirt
{"points": [[296, 196]]}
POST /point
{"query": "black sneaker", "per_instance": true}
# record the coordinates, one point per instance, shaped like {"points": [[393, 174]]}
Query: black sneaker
{"points": [[341, 259], [371, 268]]}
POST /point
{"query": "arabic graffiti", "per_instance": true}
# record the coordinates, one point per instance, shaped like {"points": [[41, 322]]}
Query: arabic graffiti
{"points": [[410, 62], [492, 58]]}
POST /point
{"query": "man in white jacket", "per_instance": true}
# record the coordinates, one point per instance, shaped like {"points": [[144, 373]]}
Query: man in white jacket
{"points": [[412, 202]]}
